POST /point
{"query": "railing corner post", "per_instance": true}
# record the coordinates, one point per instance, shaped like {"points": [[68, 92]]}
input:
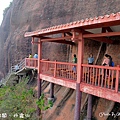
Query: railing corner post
{"points": [[117, 80]]}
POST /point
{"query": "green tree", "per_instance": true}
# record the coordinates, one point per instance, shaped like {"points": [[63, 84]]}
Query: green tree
{"points": [[18, 99], [44, 104]]}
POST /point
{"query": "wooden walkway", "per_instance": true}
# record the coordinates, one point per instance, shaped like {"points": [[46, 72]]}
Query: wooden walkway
{"points": [[100, 81], [97, 80]]}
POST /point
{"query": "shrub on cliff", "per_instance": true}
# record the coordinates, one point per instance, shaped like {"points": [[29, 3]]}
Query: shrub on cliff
{"points": [[6, 9]]}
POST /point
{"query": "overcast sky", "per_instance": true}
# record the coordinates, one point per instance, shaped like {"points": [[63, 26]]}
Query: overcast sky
{"points": [[3, 5]]}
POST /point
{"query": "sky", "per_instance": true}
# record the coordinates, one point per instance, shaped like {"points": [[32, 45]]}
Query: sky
{"points": [[3, 5]]}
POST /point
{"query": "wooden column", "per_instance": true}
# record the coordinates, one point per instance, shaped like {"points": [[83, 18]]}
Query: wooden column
{"points": [[89, 107], [39, 71], [79, 77], [52, 84], [51, 90]]}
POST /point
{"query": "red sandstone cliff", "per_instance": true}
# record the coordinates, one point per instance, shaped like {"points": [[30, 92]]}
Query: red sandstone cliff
{"points": [[32, 15]]}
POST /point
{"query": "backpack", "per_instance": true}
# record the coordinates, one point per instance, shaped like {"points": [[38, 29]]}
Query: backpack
{"points": [[112, 64]]}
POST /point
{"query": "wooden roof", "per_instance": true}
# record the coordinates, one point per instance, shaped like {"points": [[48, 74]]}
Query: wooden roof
{"points": [[88, 23]]}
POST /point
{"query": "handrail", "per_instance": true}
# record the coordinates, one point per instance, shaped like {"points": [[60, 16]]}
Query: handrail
{"points": [[101, 76], [12, 70], [105, 67], [64, 63], [60, 69]]}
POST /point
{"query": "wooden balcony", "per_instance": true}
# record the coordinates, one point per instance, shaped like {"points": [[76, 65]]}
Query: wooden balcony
{"points": [[97, 80], [31, 63]]}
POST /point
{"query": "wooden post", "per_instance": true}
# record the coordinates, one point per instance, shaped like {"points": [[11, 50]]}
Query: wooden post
{"points": [[117, 80], [79, 76], [52, 84], [39, 71], [89, 107], [55, 68], [51, 90]]}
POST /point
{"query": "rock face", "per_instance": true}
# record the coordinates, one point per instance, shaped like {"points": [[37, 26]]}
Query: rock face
{"points": [[30, 15]]}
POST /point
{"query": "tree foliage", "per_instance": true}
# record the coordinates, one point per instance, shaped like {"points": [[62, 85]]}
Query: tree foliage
{"points": [[43, 104], [20, 99], [16, 100]]}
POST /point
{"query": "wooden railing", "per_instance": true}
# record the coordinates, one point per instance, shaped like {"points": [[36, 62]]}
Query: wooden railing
{"points": [[20, 66], [102, 76], [31, 62], [59, 69]]}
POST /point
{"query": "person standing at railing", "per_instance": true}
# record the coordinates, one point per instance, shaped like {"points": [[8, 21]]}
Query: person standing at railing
{"points": [[74, 61], [16, 68], [30, 61], [111, 63], [35, 55], [30, 55], [106, 60], [90, 59], [90, 62]]}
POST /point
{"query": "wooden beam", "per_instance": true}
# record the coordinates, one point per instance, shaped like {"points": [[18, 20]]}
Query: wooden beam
{"points": [[70, 34], [56, 39], [62, 82], [64, 42], [108, 29], [103, 29], [100, 92], [100, 39], [59, 41], [101, 34]]}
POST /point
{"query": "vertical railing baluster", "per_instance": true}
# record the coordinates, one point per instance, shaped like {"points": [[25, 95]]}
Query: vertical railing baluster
{"points": [[88, 77], [93, 75], [55, 67], [117, 80], [96, 75], [105, 77], [35, 63], [112, 79], [102, 85], [84, 78], [99, 75], [109, 79], [28, 62]]}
